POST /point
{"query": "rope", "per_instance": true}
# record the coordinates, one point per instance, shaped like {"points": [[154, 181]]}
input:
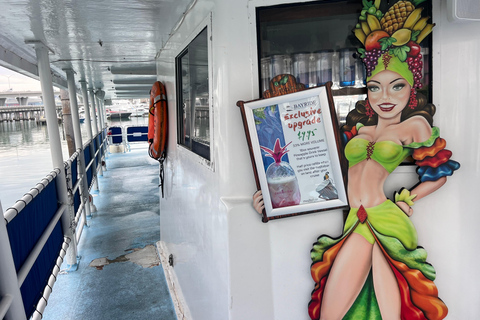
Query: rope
{"points": [[164, 154], [162, 172], [150, 149], [160, 161]]}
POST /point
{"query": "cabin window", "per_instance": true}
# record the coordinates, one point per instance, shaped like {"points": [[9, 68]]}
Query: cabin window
{"points": [[193, 96]]}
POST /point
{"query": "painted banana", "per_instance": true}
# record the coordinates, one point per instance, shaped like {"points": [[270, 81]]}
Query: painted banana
{"points": [[373, 22], [420, 24], [365, 28], [413, 18], [425, 32], [360, 35]]}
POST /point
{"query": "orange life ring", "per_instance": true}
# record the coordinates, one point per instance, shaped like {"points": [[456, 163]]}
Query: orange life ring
{"points": [[157, 121]]}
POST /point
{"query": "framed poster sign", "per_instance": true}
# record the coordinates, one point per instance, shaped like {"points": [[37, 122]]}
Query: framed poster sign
{"points": [[295, 150]]}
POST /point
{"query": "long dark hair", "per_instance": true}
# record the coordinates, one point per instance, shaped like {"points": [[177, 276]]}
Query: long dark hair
{"points": [[359, 115]]}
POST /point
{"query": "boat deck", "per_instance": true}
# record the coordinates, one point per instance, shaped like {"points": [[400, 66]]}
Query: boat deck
{"points": [[119, 275]]}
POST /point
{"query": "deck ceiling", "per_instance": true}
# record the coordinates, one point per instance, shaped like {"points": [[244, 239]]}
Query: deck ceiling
{"points": [[111, 44]]}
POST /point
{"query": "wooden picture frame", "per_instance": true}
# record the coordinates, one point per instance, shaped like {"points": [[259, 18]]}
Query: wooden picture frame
{"points": [[295, 148]]}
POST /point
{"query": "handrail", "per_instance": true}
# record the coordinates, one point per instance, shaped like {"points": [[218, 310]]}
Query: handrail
{"points": [[80, 229], [89, 164], [77, 184], [97, 152], [68, 168], [73, 156], [13, 211], [92, 160], [77, 187]]}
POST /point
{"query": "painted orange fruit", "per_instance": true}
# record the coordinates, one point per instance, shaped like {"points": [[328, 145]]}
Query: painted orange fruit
{"points": [[371, 42]]}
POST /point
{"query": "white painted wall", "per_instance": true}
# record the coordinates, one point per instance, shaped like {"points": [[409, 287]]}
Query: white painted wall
{"points": [[452, 239], [229, 264]]}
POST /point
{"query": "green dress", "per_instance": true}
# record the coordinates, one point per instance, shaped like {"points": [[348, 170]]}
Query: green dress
{"points": [[389, 227]]}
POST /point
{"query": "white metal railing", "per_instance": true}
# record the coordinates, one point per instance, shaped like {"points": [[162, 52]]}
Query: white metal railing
{"points": [[11, 303], [128, 138], [136, 135], [42, 303], [112, 136], [80, 215], [9, 215], [14, 210]]}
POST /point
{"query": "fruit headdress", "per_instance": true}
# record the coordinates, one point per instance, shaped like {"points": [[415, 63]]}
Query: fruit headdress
{"points": [[392, 39]]}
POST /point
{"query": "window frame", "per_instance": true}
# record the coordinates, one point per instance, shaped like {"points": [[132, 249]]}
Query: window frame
{"points": [[205, 154]]}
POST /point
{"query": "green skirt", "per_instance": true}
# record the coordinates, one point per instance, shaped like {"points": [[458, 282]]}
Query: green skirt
{"points": [[388, 226]]}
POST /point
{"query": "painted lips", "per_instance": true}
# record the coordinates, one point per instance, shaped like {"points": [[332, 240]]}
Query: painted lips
{"points": [[386, 107]]}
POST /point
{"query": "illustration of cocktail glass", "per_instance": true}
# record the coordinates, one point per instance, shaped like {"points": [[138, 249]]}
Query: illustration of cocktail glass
{"points": [[281, 179]]}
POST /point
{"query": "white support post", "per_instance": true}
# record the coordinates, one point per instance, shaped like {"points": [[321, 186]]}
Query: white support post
{"points": [[72, 91], [100, 128], [100, 94], [88, 121], [56, 148], [95, 132], [99, 113], [94, 112], [8, 277], [102, 103]]}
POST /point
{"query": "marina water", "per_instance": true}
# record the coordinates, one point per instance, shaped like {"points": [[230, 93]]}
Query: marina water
{"points": [[25, 156]]}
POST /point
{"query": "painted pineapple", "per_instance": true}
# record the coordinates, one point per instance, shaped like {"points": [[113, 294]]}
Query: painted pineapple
{"points": [[395, 17]]}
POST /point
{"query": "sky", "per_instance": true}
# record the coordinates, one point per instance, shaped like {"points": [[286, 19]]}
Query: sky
{"points": [[16, 81]]}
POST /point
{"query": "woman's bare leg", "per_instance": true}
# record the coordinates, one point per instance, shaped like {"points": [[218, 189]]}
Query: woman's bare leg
{"points": [[386, 286], [346, 278]]}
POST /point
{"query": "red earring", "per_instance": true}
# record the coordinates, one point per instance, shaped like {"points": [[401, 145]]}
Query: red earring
{"points": [[413, 102], [369, 111]]}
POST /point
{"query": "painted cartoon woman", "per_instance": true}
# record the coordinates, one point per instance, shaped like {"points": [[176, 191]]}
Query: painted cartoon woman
{"points": [[375, 270]]}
